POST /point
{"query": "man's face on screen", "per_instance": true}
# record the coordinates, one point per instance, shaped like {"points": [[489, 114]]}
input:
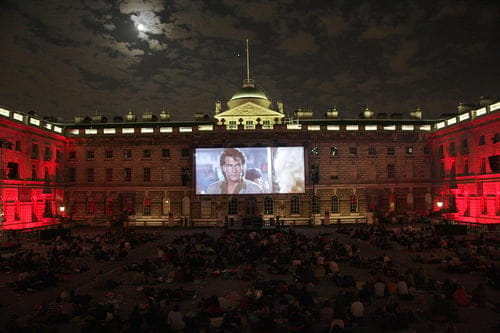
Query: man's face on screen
{"points": [[232, 168]]}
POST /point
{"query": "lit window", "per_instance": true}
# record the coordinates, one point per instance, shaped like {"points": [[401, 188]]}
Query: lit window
{"points": [[409, 150], [295, 205], [335, 204], [315, 204], [146, 207], [268, 205], [354, 204]]}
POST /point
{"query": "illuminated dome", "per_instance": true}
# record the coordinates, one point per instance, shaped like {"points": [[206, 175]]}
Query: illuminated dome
{"points": [[249, 93]]}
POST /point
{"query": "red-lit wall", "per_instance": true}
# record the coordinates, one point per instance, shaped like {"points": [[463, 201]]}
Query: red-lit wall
{"points": [[31, 180], [467, 179]]}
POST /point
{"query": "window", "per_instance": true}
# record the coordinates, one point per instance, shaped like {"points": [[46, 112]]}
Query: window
{"points": [[58, 174], [465, 146], [481, 140], [59, 156], [146, 207], [47, 155], [232, 206], [391, 170], [127, 174], [47, 176], [466, 167], [185, 176], [268, 205], [90, 175], [34, 151], [127, 153], [372, 151], [108, 154], [315, 204], [90, 206], [147, 174], [34, 172], [72, 155], [427, 150], [109, 174], [335, 204], [483, 165], [266, 123], [441, 170], [71, 174], [409, 150], [353, 204], [90, 154], [353, 151], [453, 170], [12, 170], [295, 205], [451, 149], [185, 152], [165, 153], [146, 153], [18, 145], [440, 151], [390, 150]]}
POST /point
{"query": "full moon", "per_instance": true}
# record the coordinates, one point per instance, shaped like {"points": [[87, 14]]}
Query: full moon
{"points": [[141, 27]]}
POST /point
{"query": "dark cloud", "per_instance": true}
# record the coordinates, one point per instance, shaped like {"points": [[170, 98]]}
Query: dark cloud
{"points": [[64, 58]]}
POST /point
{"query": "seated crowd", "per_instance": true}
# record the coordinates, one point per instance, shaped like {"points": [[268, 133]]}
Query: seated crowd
{"points": [[283, 269]]}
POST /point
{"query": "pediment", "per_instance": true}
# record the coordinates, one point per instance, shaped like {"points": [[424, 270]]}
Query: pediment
{"points": [[248, 109]]}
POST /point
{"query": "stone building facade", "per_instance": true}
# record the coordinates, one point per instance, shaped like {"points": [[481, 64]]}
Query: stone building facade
{"points": [[141, 171]]}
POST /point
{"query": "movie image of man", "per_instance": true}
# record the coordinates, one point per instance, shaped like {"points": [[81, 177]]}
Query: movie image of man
{"points": [[233, 165]]}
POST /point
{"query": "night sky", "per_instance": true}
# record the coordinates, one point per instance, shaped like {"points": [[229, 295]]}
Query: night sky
{"points": [[82, 57]]}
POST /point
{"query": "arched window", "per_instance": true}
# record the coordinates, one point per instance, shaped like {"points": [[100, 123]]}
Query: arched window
{"points": [[295, 205], [146, 208], [335, 204], [315, 204], [354, 204], [232, 206], [268, 206]]}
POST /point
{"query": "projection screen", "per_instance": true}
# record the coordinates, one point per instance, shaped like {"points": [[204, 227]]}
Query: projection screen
{"points": [[249, 170]]}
